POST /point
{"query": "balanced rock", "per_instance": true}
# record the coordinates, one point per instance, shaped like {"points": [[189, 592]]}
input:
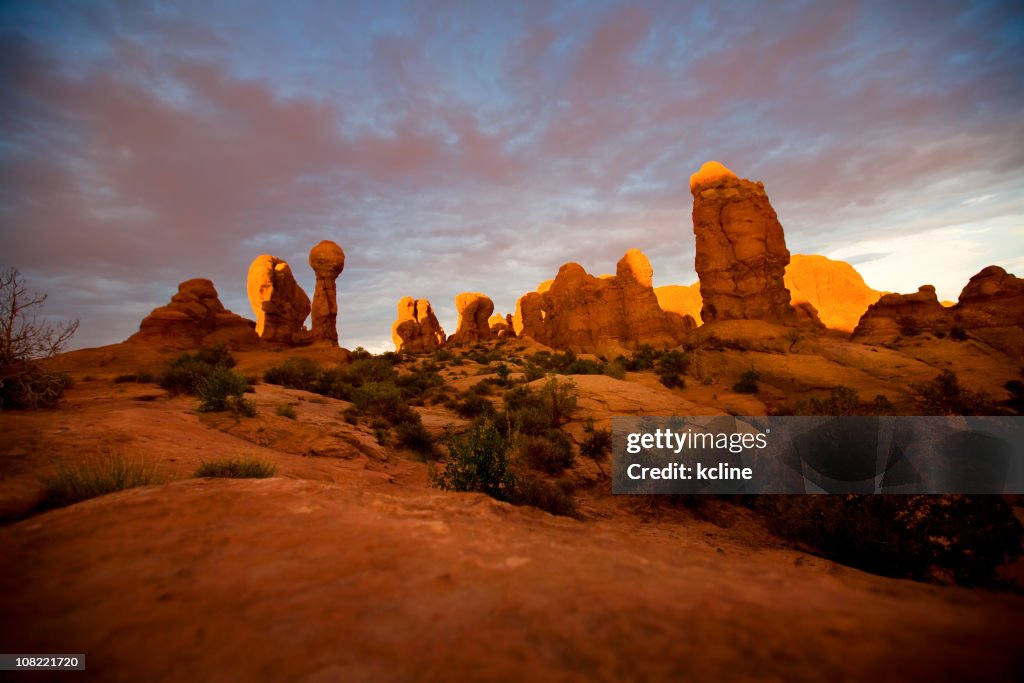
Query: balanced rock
{"points": [[741, 253], [195, 317], [474, 310], [608, 315], [280, 304], [327, 260], [416, 329]]}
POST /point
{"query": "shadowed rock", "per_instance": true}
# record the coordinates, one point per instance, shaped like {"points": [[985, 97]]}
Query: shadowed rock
{"points": [[195, 317]]}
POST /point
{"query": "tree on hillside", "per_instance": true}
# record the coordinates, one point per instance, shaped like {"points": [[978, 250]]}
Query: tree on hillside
{"points": [[26, 343]]}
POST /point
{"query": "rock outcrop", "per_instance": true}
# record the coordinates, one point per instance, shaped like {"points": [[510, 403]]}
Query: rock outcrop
{"points": [[502, 326], [741, 255], [417, 329], [327, 260], [834, 288], [604, 315], [280, 304], [474, 310], [195, 317], [681, 300], [990, 308], [908, 314]]}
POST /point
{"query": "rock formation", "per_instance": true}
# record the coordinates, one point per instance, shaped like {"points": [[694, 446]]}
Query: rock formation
{"points": [[990, 308], [416, 329], [501, 326], [474, 310], [606, 315], [896, 314], [194, 318], [741, 250], [327, 260], [834, 288], [681, 300], [280, 304]]}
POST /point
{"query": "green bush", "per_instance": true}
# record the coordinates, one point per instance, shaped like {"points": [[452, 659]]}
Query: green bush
{"points": [[477, 461], [414, 436], [188, 370], [553, 498], [237, 468], [222, 389], [285, 410], [946, 396], [670, 368], [597, 444], [295, 373], [473, 405], [959, 538], [747, 383], [381, 399], [94, 477], [30, 385], [550, 453]]}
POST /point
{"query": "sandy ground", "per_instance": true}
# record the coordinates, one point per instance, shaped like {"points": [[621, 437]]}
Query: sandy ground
{"points": [[347, 566]]}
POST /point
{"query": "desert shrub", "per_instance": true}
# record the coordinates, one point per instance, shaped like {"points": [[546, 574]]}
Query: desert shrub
{"points": [[359, 353], [550, 452], [533, 372], [843, 400], [615, 369], [187, 371], [477, 460], [959, 538], [383, 400], [96, 476], [958, 333], [747, 383], [418, 382], [670, 368], [533, 411], [597, 444], [26, 346], [285, 410], [473, 405], [554, 498], [222, 389], [643, 358], [946, 396], [1016, 400], [295, 373], [414, 436], [237, 468]]}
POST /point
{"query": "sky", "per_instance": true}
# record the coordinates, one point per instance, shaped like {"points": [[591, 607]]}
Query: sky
{"points": [[477, 146]]}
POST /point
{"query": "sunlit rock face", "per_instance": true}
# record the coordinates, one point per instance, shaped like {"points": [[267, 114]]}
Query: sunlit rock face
{"points": [[501, 326], [280, 304], [416, 330], [990, 309], [328, 261], [604, 315], [741, 255], [474, 310], [834, 288], [195, 317]]}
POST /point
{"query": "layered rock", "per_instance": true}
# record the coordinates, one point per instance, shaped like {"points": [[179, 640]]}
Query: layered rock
{"points": [[280, 304], [328, 261], [604, 315], [741, 255], [474, 311], [991, 308], [416, 330], [195, 317], [834, 288]]}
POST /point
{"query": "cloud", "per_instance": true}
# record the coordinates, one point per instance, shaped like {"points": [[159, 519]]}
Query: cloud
{"points": [[451, 148]]}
